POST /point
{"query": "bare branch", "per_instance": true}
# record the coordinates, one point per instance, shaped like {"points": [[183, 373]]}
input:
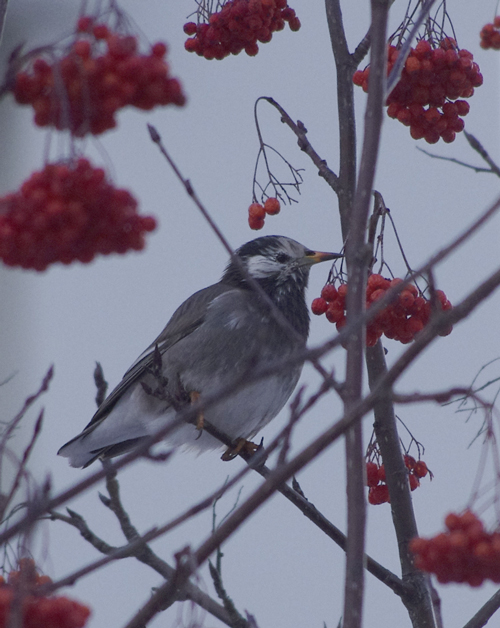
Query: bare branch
{"points": [[345, 66], [453, 160], [22, 466], [237, 621], [442, 396], [478, 147], [358, 257], [485, 613], [139, 549], [304, 144], [77, 521], [28, 402], [3, 11], [313, 514]]}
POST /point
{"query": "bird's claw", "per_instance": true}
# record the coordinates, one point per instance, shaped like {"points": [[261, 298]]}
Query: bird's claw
{"points": [[241, 446], [200, 418]]}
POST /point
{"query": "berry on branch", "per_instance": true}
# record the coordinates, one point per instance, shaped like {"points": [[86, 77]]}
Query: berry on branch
{"points": [[68, 212], [238, 26], [433, 79], [38, 611], [256, 216], [378, 491], [401, 320], [490, 35], [81, 87], [465, 552]]}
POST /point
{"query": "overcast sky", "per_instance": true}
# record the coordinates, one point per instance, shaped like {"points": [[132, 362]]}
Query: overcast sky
{"points": [[278, 566]]}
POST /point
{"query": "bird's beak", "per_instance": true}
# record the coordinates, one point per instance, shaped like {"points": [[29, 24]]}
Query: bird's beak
{"points": [[314, 257]]}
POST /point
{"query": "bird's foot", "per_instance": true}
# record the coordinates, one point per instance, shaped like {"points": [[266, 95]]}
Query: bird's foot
{"points": [[242, 447], [200, 418]]}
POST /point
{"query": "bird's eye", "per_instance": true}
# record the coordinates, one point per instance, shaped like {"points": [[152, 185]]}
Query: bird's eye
{"points": [[281, 258]]}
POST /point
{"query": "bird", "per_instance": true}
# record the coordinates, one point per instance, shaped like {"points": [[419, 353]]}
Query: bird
{"points": [[217, 337]]}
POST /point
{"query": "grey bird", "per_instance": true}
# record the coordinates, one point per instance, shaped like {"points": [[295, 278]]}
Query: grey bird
{"points": [[219, 335]]}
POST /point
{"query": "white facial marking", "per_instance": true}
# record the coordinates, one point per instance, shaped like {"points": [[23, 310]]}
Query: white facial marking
{"points": [[260, 266]]}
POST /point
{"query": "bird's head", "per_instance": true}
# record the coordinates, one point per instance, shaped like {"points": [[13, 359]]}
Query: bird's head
{"points": [[279, 264]]}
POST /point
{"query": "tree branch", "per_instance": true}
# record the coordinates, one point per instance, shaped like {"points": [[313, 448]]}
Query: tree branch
{"points": [[358, 257], [485, 613], [478, 147], [142, 552], [304, 144], [345, 66]]}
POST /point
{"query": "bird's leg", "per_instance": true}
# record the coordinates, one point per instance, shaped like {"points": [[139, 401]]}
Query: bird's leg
{"points": [[200, 418], [241, 446]]}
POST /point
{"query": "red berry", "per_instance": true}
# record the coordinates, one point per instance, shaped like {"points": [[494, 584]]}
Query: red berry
{"points": [[342, 290], [190, 28], [420, 469], [100, 31], [381, 473], [329, 292], [256, 210], [376, 295], [412, 65], [358, 77], [376, 281], [319, 306], [84, 24], [335, 312], [272, 206], [82, 48], [410, 462], [414, 481], [159, 49], [372, 478], [255, 222], [423, 49], [378, 494]]}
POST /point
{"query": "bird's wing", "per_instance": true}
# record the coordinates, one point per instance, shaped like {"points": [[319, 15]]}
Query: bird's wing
{"points": [[185, 320]]}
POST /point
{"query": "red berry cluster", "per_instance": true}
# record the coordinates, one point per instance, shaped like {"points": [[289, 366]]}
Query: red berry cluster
{"points": [[38, 611], [257, 212], [68, 212], [464, 553], [490, 35], [400, 320], [238, 26], [102, 72], [378, 491], [425, 98]]}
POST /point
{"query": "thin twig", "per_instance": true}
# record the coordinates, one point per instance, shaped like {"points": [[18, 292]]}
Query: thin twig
{"points": [[304, 144], [485, 613], [3, 12], [358, 258], [44, 386], [237, 620], [479, 148], [398, 66], [453, 160], [22, 466], [442, 396], [77, 521]]}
